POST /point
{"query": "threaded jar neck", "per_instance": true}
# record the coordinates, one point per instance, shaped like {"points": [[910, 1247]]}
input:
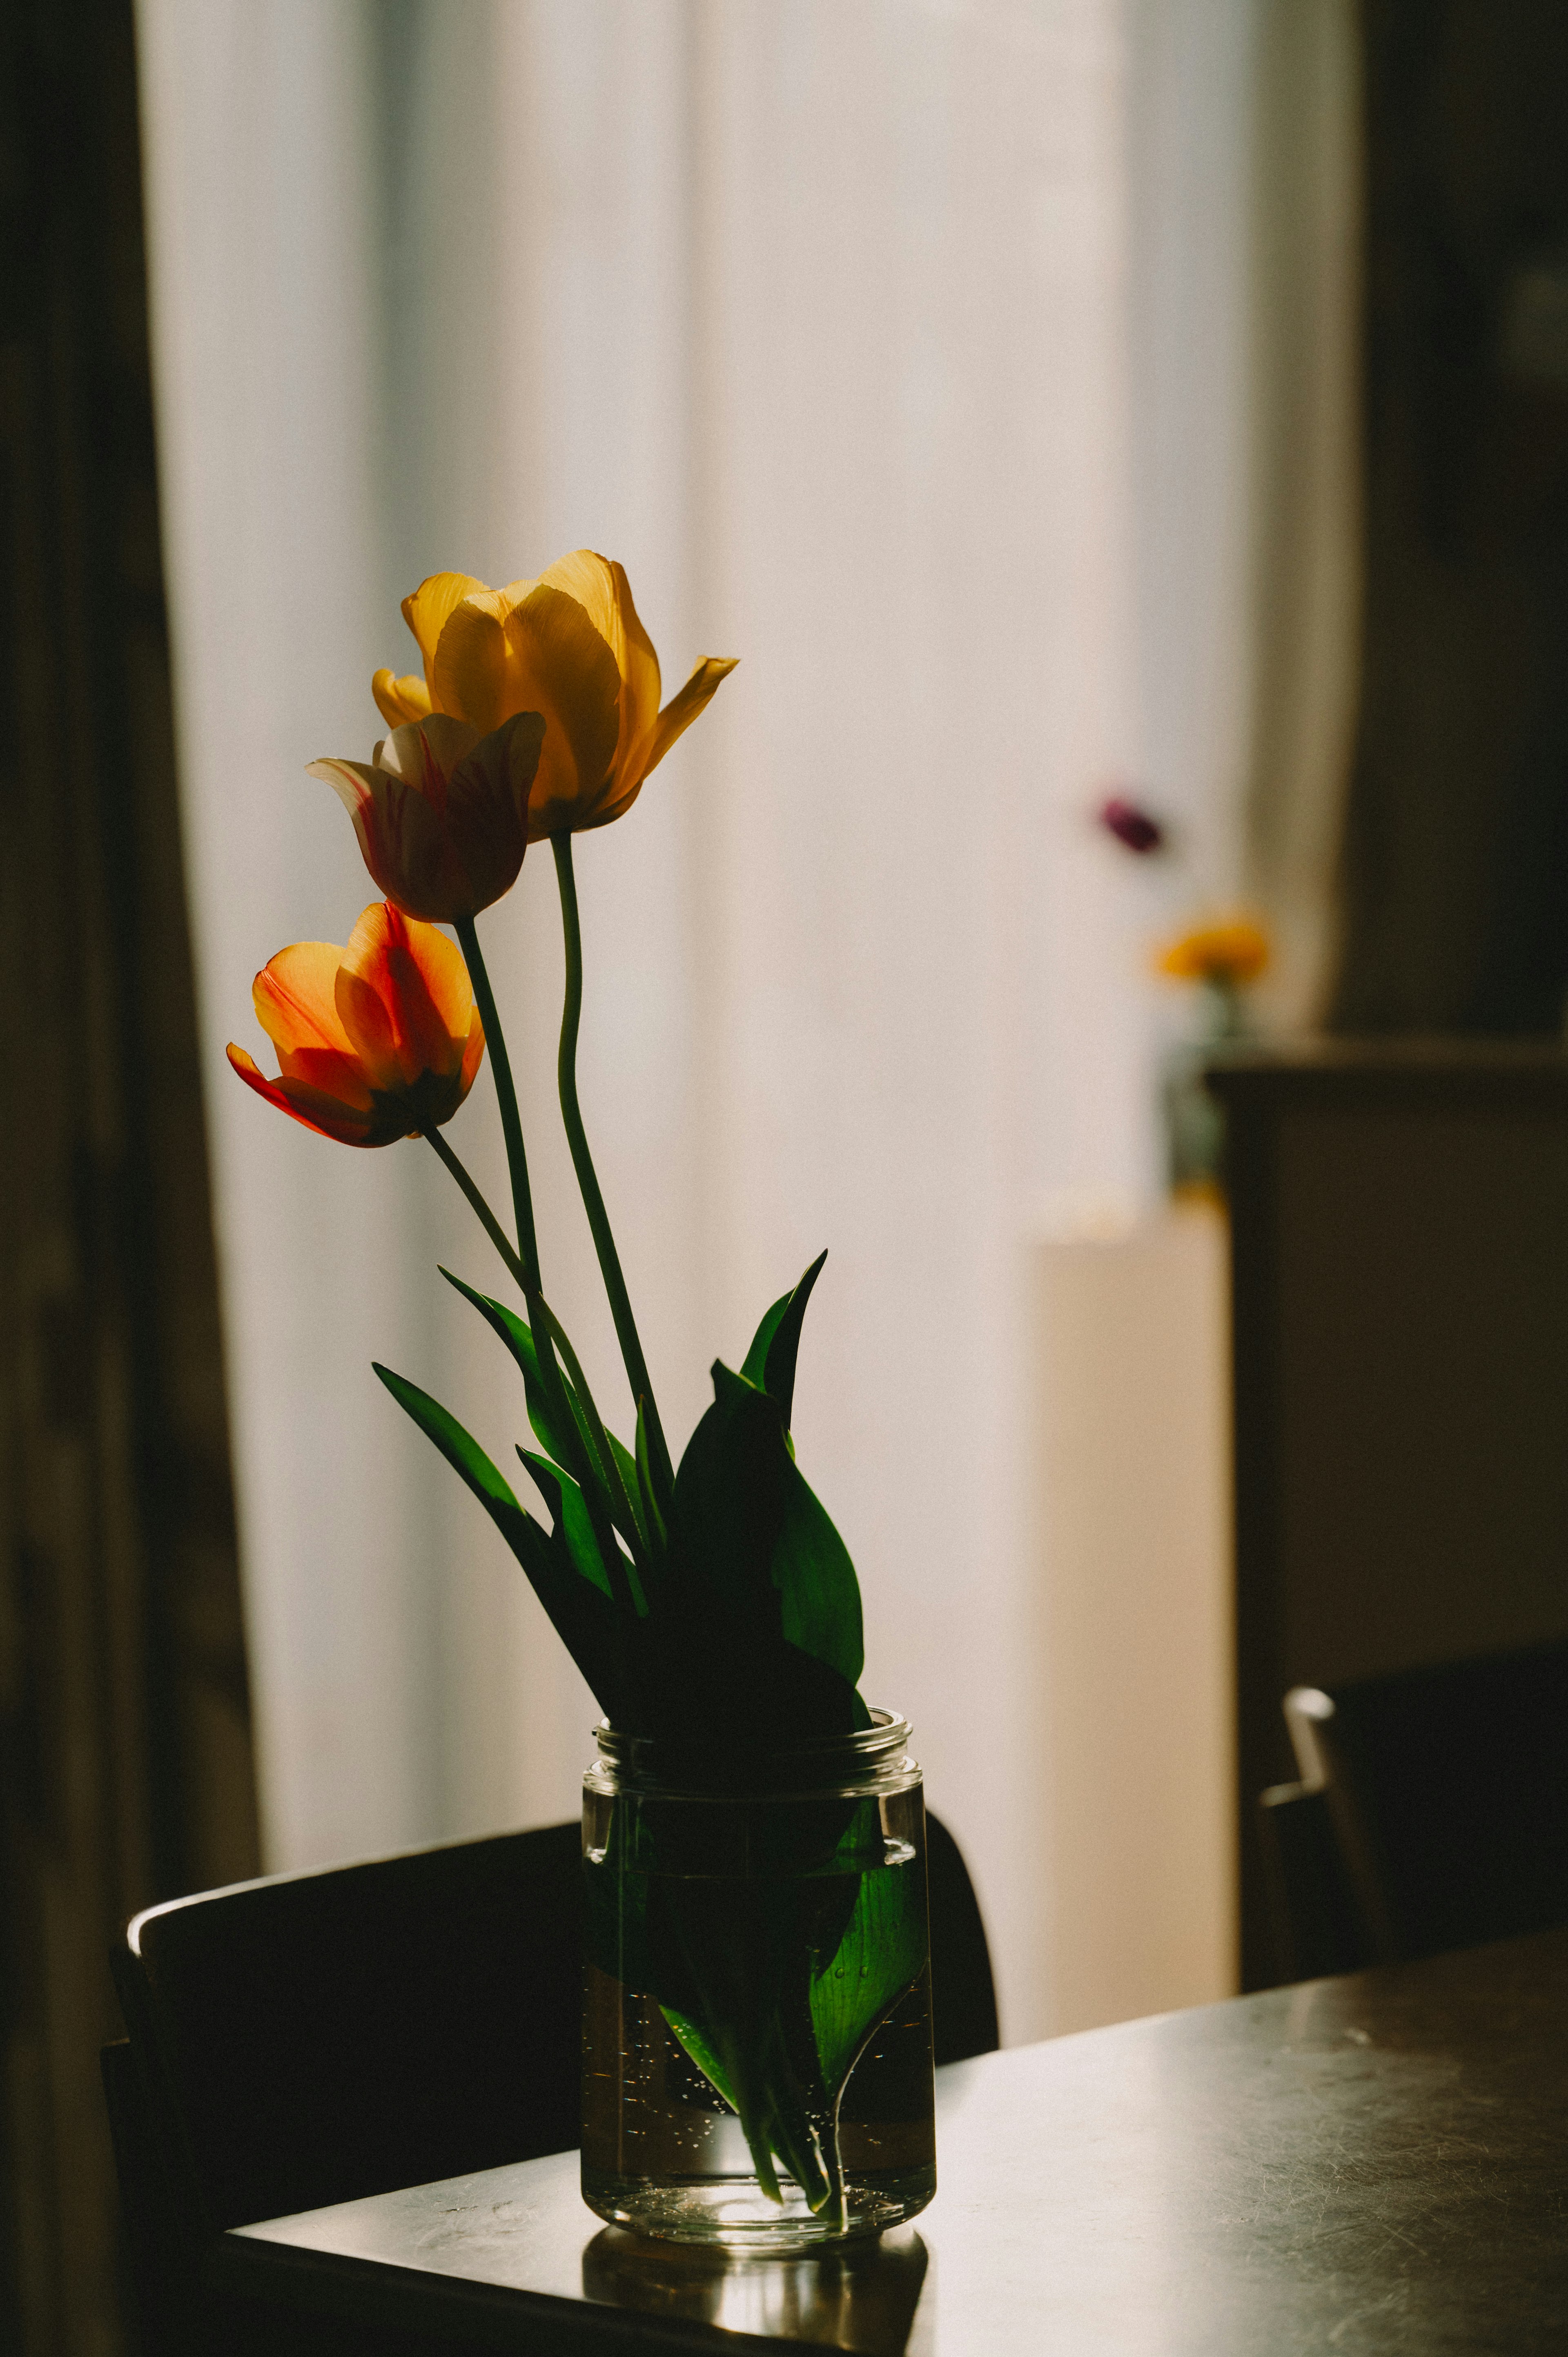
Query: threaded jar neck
{"points": [[874, 1759]]}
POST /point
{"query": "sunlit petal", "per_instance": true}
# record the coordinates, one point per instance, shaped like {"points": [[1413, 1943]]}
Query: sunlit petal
{"points": [[603, 591], [445, 979], [426, 614], [473, 1050], [566, 671], [591, 580], [684, 706], [400, 700], [294, 997], [387, 957], [375, 1042], [471, 676], [315, 1109], [367, 1020], [332, 1072], [353, 783], [408, 751]]}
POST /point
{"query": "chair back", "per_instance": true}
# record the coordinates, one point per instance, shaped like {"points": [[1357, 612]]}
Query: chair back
{"points": [[1446, 1792], [1319, 1923], [315, 2037], [963, 1994]]}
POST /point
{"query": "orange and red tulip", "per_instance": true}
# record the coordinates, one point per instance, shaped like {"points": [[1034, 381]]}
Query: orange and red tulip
{"points": [[441, 811], [376, 1041], [568, 645]]}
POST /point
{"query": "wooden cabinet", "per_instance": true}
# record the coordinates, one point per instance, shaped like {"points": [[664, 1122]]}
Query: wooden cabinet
{"points": [[1400, 1332]]}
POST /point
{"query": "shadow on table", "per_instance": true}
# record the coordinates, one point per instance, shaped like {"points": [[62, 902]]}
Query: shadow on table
{"points": [[861, 2296]]}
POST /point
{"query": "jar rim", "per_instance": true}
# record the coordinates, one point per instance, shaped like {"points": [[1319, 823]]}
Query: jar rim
{"points": [[862, 1752]]}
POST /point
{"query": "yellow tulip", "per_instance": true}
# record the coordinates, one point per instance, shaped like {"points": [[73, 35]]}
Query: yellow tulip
{"points": [[1232, 952], [569, 646]]}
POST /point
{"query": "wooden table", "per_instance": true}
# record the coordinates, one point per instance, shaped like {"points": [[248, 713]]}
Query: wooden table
{"points": [[1375, 2163]]}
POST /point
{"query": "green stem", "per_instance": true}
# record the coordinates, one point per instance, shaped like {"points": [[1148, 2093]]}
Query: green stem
{"points": [[526, 1261], [488, 1219], [539, 1307], [506, 1097], [598, 1432], [587, 1179], [546, 1329]]}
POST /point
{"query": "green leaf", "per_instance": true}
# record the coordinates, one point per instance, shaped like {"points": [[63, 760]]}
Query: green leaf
{"points": [[556, 1443], [770, 1361], [569, 1513], [885, 1946], [626, 1466], [518, 1340], [585, 1626], [460, 1449], [754, 1366], [816, 1581], [751, 1520], [729, 1497]]}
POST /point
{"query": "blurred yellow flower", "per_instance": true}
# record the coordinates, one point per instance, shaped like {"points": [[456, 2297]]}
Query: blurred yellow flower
{"points": [[568, 646], [1233, 952]]}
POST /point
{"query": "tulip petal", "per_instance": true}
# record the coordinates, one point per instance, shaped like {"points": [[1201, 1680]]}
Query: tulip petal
{"points": [[603, 591], [470, 675], [353, 783], [400, 700], [444, 978], [684, 706], [408, 752], [404, 843], [342, 1077], [478, 787], [676, 717], [561, 667], [369, 1022], [591, 580], [314, 1108], [294, 1001], [473, 1048], [426, 614], [393, 963], [487, 804]]}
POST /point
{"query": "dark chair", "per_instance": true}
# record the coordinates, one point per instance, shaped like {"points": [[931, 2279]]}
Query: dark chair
{"points": [[1317, 1922], [963, 1995], [1432, 1812], [314, 2037]]}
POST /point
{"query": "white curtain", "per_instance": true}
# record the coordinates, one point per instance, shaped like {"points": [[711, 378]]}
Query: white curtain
{"points": [[906, 351]]}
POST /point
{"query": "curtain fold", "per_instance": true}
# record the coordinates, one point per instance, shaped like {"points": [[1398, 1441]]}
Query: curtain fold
{"points": [[126, 1774], [1305, 208]]}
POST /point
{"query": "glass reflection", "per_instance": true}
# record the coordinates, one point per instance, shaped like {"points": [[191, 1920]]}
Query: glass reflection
{"points": [[858, 2296]]}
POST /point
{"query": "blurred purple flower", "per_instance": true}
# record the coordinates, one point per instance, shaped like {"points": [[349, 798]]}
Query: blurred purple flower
{"points": [[1131, 825]]}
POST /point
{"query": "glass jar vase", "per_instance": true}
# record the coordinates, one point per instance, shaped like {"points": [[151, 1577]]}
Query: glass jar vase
{"points": [[756, 2026]]}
